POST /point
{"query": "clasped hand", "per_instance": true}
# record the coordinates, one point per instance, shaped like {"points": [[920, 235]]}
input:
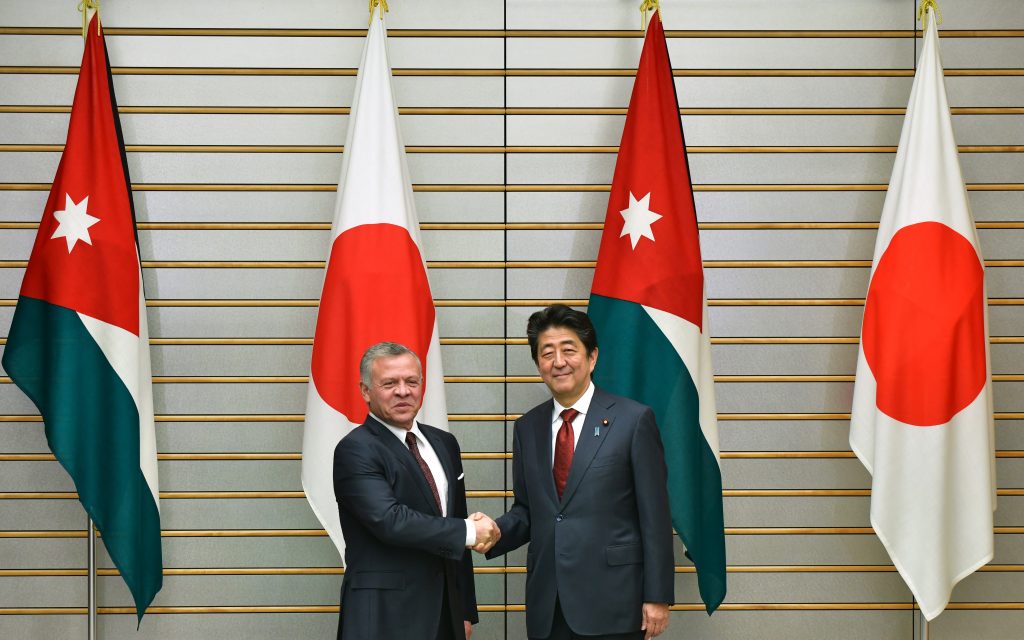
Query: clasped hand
{"points": [[487, 532]]}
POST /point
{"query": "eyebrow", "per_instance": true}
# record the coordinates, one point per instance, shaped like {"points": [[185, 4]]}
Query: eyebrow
{"points": [[547, 345]]}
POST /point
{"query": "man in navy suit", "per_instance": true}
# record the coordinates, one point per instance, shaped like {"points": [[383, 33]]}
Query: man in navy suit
{"points": [[590, 497], [402, 499]]}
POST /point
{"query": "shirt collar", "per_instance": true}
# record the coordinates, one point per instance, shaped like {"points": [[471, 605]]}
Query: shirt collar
{"points": [[582, 405], [400, 432]]}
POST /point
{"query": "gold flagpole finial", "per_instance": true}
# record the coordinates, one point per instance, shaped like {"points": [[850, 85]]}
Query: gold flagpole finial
{"points": [[83, 8], [383, 4], [645, 6], [922, 11]]}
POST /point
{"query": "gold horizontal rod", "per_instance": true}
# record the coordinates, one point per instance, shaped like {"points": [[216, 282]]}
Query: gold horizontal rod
{"points": [[743, 188], [250, 110], [282, 495], [319, 571], [505, 188], [498, 264], [514, 341], [497, 149], [747, 111], [225, 456], [496, 417], [514, 111], [295, 456], [496, 608], [290, 533], [757, 73], [514, 226], [524, 72], [513, 379], [714, 302], [515, 33], [249, 71], [267, 188]]}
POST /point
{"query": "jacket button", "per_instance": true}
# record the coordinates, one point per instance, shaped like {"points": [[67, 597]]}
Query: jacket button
{"points": [[559, 518]]}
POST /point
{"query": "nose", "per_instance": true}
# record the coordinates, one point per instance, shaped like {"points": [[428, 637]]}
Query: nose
{"points": [[559, 360], [402, 389]]}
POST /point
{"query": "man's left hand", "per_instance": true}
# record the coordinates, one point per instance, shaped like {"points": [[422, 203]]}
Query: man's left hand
{"points": [[655, 619], [469, 628]]}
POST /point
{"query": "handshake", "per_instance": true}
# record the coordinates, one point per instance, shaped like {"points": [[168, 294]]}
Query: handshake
{"points": [[487, 532]]}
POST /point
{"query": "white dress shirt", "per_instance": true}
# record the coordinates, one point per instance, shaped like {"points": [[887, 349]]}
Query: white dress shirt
{"points": [[436, 470], [583, 406]]}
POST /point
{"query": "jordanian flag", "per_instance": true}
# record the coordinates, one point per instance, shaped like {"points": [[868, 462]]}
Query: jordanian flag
{"points": [[78, 345], [648, 304]]}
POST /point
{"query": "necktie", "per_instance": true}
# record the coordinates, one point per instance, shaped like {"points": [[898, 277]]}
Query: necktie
{"points": [[563, 450], [410, 439]]}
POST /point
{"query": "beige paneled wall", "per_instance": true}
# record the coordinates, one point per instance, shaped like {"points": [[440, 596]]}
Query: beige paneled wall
{"points": [[234, 114]]}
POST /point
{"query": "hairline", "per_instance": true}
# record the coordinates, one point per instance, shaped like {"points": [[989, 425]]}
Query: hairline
{"points": [[380, 351]]}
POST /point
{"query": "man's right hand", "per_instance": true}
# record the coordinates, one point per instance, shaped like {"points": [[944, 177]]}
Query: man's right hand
{"points": [[487, 532]]}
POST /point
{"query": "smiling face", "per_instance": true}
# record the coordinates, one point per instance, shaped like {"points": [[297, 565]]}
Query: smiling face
{"points": [[395, 391], [564, 364]]}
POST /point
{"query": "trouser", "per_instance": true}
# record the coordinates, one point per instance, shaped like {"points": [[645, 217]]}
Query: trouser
{"points": [[560, 630], [445, 626]]}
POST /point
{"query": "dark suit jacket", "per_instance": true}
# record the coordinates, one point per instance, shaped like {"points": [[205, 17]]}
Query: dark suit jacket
{"points": [[606, 548], [401, 556]]}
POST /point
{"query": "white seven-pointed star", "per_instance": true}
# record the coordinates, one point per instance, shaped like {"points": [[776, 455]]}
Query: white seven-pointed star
{"points": [[74, 222], [639, 219]]}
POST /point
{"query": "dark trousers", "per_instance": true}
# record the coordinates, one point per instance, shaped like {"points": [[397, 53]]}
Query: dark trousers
{"points": [[560, 630], [446, 626]]}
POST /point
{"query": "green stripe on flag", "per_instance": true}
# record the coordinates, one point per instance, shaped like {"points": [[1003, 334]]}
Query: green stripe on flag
{"points": [[92, 427], [636, 360]]}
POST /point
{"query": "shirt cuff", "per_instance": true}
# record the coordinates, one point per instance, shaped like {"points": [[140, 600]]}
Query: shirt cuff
{"points": [[470, 533]]}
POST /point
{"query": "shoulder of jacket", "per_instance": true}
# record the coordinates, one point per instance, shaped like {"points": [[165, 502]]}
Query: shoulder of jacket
{"points": [[542, 410]]}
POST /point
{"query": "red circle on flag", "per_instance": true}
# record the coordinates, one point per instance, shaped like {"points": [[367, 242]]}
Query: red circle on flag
{"points": [[924, 325], [375, 290]]}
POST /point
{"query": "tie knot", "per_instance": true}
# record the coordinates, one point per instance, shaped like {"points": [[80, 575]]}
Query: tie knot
{"points": [[568, 415], [410, 439]]}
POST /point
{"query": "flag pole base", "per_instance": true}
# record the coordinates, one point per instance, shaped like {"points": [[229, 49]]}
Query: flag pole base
{"points": [[92, 581]]}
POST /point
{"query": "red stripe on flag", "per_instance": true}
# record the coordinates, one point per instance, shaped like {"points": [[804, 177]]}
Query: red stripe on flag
{"points": [[95, 270], [663, 272]]}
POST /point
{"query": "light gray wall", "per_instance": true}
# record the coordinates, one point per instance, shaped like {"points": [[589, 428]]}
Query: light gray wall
{"points": [[509, 115]]}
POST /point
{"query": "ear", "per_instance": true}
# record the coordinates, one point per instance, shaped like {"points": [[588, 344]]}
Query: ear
{"points": [[593, 360], [365, 392]]}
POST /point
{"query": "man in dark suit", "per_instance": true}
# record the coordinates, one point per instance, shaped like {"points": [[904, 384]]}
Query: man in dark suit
{"points": [[402, 500], [590, 497]]}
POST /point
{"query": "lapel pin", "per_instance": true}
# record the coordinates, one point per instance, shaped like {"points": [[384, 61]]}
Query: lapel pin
{"points": [[597, 430]]}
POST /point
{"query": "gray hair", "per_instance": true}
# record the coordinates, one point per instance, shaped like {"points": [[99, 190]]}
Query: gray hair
{"points": [[383, 350]]}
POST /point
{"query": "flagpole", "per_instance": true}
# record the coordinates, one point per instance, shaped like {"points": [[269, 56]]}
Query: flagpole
{"points": [[925, 635], [92, 581]]}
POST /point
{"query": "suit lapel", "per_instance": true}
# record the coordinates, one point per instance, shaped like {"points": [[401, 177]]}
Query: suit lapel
{"points": [[592, 436], [446, 463], [402, 453], [542, 437]]}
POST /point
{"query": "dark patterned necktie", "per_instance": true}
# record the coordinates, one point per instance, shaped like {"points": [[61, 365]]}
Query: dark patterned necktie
{"points": [[410, 439], [564, 450]]}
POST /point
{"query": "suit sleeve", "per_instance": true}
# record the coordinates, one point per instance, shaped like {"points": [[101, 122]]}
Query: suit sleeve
{"points": [[650, 479], [515, 525], [467, 586], [360, 484]]}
